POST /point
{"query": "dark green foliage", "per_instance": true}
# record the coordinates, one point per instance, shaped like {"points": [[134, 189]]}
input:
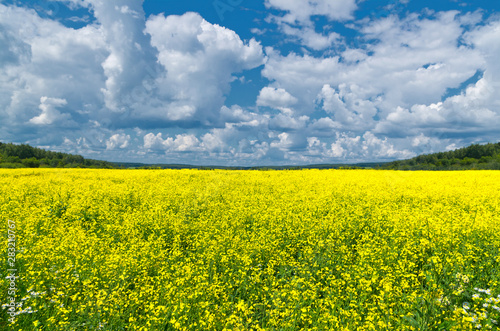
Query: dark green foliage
{"points": [[471, 157], [25, 156]]}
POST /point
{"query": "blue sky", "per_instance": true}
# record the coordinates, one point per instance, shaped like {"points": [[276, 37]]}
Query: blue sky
{"points": [[240, 82]]}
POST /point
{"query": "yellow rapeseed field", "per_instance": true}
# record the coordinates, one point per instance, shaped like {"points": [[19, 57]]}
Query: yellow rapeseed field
{"points": [[250, 250]]}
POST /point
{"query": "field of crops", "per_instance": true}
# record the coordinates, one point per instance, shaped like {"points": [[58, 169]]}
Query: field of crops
{"points": [[249, 250]]}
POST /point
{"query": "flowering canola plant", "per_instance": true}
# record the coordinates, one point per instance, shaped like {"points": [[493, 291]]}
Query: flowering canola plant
{"points": [[252, 250]]}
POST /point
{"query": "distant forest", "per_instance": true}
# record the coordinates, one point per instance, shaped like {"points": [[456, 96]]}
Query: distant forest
{"points": [[25, 156], [472, 157]]}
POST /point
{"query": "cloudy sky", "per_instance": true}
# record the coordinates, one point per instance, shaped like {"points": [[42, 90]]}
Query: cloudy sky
{"points": [[249, 82]]}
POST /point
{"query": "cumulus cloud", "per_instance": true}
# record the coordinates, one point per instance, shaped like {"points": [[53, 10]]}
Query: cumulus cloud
{"points": [[181, 142], [129, 55], [52, 62], [365, 147], [288, 147], [296, 23], [411, 63], [235, 114], [119, 140], [302, 76], [401, 84], [473, 112], [483, 39], [284, 141], [298, 11], [158, 87], [308, 37], [324, 126], [282, 122], [13, 50], [199, 60], [276, 98], [50, 114], [349, 106], [121, 71]]}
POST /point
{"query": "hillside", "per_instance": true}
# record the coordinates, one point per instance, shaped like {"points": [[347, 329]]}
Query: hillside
{"points": [[472, 157], [25, 156]]}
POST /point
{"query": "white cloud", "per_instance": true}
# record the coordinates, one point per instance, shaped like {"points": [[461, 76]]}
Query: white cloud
{"points": [[200, 59], [336, 150], [298, 11], [397, 83], [301, 76], [423, 144], [282, 122], [315, 147], [473, 111], [324, 126], [411, 63], [221, 140], [236, 114], [52, 61], [418, 115], [367, 147], [308, 37], [152, 141], [13, 50], [181, 143], [276, 98], [350, 106], [117, 84], [108, 72], [284, 143], [420, 140], [50, 114], [119, 140], [297, 24], [213, 142], [130, 58], [380, 148]]}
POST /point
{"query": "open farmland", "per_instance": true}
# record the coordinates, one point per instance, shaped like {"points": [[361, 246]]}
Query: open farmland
{"points": [[251, 250]]}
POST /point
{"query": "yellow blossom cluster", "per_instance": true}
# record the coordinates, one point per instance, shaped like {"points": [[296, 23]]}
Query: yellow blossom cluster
{"points": [[252, 250]]}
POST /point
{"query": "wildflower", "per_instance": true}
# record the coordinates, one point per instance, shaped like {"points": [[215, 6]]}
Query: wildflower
{"points": [[314, 239]]}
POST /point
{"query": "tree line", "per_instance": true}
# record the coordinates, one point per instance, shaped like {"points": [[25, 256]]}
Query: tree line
{"points": [[471, 157], [26, 156]]}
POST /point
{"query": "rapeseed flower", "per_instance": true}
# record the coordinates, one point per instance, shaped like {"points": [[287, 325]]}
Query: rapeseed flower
{"points": [[253, 250]]}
